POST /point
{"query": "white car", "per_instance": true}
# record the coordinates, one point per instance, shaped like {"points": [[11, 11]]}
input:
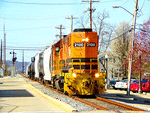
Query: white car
{"points": [[123, 84]]}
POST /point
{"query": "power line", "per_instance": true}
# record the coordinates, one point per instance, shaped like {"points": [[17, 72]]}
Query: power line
{"points": [[28, 28], [42, 3], [25, 3], [117, 36], [25, 47]]}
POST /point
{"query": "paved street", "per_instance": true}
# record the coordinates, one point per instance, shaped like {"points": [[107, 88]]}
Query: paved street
{"points": [[135, 99], [18, 96]]}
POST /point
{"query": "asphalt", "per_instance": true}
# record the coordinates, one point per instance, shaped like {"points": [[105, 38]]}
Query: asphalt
{"points": [[134, 99]]}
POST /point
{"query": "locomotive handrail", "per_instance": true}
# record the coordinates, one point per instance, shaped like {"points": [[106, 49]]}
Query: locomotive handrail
{"points": [[90, 65], [80, 64]]}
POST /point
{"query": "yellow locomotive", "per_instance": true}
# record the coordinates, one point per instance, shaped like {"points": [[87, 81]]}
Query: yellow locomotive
{"points": [[73, 64]]}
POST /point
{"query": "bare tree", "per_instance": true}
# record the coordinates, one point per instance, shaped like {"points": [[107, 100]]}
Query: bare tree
{"points": [[119, 48], [101, 26]]}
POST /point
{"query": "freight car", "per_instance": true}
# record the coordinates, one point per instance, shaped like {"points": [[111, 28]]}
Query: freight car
{"points": [[71, 64]]}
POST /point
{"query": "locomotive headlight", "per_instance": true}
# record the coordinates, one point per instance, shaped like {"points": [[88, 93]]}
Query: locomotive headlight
{"points": [[96, 75], [85, 40], [74, 75]]}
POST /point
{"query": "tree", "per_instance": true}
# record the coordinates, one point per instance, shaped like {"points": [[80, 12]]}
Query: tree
{"points": [[119, 48], [142, 50], [103, 28]]}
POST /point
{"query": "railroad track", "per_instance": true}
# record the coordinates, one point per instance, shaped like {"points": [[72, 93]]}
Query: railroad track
{"points": [[98, 102]]}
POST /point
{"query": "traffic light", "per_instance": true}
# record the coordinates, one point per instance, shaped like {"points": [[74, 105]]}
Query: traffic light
{"points": [[14, 59]]}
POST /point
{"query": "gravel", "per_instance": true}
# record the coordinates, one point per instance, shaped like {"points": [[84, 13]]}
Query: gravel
{"points": [[79, 106]]}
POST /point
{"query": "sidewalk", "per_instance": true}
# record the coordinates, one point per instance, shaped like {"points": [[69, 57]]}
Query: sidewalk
{"points": [[134, 99]]}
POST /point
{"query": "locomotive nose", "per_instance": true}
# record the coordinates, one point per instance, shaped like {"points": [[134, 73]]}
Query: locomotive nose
{"points": [[86, 82]]}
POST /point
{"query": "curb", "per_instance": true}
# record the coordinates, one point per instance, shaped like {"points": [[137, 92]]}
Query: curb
{"points": [[58, 103]]}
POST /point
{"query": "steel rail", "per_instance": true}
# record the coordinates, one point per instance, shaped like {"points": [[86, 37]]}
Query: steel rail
{"points": [[98, 107], [127, 107]]}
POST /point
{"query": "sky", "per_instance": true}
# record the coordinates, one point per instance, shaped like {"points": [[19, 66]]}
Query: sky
{"points": [[30, 25]]}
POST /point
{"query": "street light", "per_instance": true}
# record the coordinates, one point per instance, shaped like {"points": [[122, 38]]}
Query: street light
{"points": [[131, 44], [114, 6]]}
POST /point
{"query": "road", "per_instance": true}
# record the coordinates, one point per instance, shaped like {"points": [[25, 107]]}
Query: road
{"points": [[18, 96]]}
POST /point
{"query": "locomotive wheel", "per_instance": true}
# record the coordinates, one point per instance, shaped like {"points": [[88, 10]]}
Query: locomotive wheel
{"points": [[37, 79], [53, 84], [42, 81], [57, 84], [66, 93]]}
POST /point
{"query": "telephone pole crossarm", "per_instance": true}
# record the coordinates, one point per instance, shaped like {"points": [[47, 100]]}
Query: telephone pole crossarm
{"points": [[60, 33], [91, 11], [72, 21]]}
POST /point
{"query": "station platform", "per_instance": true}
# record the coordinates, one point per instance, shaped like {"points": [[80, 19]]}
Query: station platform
{"points": [[18, 96], [134, 99]]}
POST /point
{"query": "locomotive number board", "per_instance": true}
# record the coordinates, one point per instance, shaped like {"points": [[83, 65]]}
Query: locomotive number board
{"points": [[90, 44], [82, 44], [78, 44]]}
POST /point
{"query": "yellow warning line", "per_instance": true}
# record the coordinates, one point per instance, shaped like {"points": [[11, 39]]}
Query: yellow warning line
{"points": [[23, 80], [5, 81], [47, 99]]}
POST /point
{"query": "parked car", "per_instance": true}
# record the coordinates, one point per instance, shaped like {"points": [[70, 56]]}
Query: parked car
{"points": [[134, 87], [123, 84], [112, 83], [145, 85]]}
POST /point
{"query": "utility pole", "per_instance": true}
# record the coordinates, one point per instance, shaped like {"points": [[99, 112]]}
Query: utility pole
{"points": [[131, 47], [72, 21], [60, 33], [1, 51], [90, 11], [140, 86], [4, 50], [22, 61], [1, 63]]}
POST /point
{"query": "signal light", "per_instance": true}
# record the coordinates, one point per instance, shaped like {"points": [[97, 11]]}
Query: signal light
{"points": [[14, 59]]}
